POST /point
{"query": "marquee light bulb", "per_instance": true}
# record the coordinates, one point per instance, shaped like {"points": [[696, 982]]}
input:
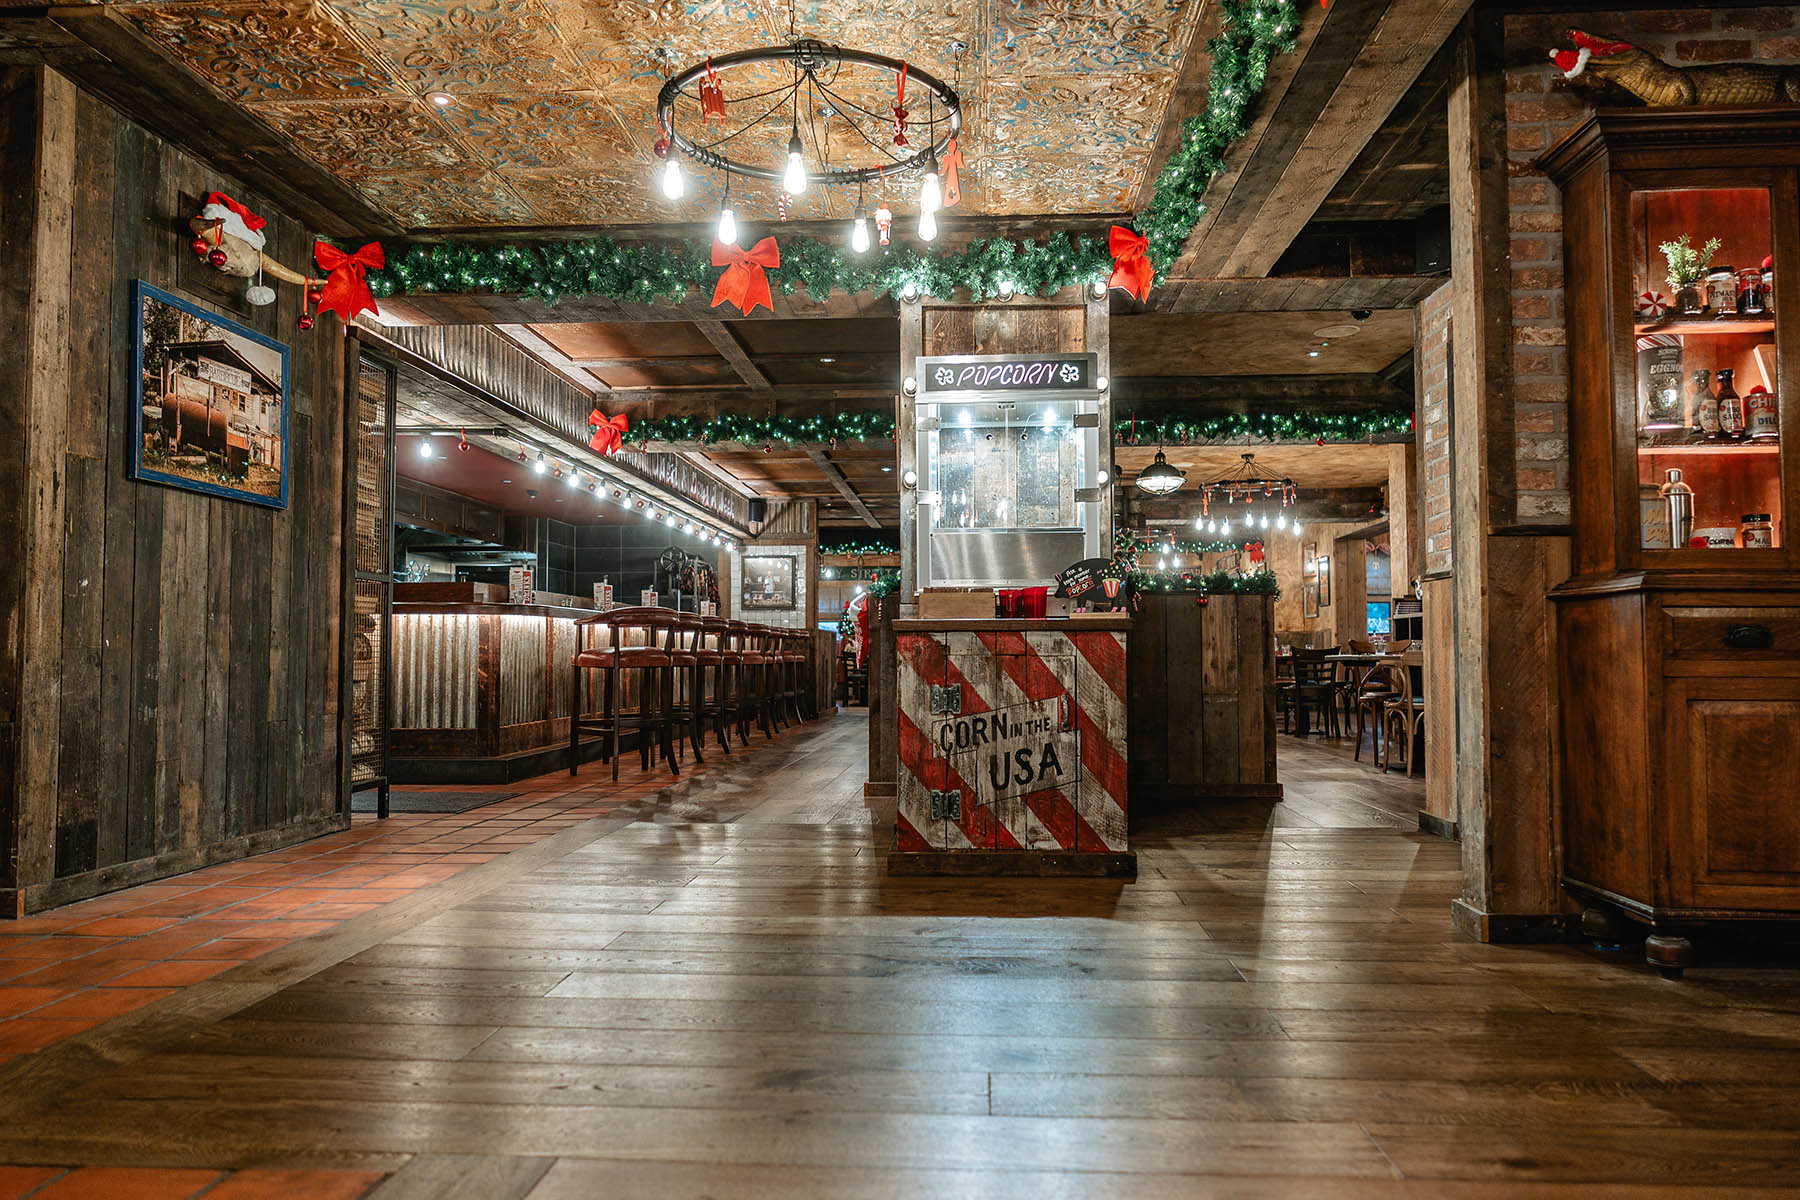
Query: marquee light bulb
{"points": [[1101, 476], [794, 178], [673, 185], [727, 227], [927, 226], [859, 235]]}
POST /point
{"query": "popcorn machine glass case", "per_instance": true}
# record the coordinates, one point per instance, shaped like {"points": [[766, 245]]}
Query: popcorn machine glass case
{"points": [[1010, 449]]}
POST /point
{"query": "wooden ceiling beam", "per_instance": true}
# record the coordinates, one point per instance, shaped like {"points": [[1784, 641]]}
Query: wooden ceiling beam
{"points": [[732, 351], [834, 476], [1363, 61]]}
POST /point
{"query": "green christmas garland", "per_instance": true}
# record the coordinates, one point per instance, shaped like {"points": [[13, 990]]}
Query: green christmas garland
{"points": [[1252, 33], [1132, 545], [853, 547], [1318, 427], [1260, 582]]}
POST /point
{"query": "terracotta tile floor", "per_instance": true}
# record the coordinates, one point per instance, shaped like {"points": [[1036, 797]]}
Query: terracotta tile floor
{"points": [[70, 969]]}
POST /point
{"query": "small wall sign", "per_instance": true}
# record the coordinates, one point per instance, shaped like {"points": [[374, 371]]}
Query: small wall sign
{"points": [[1006, 373]]}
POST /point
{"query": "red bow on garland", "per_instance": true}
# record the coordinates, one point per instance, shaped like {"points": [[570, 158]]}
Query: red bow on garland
{"points": [[346, 292], [606, 434], [251, 220], [1131, 271], [743, 282], [953, 161], [1255, 551]]}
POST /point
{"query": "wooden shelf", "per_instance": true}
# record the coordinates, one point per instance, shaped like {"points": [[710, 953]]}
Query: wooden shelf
{"points": [[1709, 326], [1747, 448]]}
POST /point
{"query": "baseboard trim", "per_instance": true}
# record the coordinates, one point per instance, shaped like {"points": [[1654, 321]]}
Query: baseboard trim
{"points": [[1507, 928], [1014, 863], [881, 789], [1438, 826]]}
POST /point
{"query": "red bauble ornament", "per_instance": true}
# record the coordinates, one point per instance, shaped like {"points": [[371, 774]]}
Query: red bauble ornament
{"points": [[1318, 441], [306, 320], [199, 246], [660, 147], [768, 449], [1200, 600], [313, 296], [217, 256]]}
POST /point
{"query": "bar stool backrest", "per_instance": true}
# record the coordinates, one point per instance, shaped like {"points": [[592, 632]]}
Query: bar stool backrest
{"points": [[657, 624]]}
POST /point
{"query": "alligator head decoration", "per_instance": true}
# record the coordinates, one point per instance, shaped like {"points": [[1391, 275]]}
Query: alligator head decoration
{"points": [[1660, 85]]}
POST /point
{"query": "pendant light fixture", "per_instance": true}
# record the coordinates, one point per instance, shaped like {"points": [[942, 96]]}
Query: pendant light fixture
{"points": [[1159, 478], [794, 177], [673, 185], [859, 235], [931, 192], [727, 218], [927, 225]]}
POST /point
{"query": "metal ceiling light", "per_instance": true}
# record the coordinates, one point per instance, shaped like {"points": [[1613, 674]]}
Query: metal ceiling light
{"points": [[1159, 478]]}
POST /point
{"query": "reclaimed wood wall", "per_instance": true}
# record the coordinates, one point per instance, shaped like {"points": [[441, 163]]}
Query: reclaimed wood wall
{"points": [[169, 690]]}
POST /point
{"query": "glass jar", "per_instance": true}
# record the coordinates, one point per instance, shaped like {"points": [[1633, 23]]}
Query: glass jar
{"points": [[1750, 292], [1757, 532], [1762, 418], [1721, 291]]}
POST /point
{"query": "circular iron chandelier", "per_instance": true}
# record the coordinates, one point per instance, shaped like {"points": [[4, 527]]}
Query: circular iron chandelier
{"points": [[691, 115], [1243, 484]]}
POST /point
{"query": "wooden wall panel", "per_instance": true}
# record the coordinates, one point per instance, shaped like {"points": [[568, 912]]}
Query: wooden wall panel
{"points": [[180, 649]]}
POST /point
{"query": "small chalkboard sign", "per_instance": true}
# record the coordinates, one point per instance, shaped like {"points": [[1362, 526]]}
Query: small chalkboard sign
{"points": [[1097, 584], [1006, 373]]}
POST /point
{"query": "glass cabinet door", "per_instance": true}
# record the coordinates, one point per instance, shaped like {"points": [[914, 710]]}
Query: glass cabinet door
{"points": [[1708, 428]]}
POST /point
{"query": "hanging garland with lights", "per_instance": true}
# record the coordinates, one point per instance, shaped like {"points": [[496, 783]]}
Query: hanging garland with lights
{"points": [[1260, 582], [1253, 32], [1317, 427], [1131, 545], [852, 548]]}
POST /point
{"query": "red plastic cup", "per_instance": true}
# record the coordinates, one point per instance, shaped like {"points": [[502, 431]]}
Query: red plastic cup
{"points": [[1034, 601]]}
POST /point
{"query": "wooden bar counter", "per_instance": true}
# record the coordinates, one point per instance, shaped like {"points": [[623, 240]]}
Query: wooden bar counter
{"points": [[1012, 747], [480, 687]]}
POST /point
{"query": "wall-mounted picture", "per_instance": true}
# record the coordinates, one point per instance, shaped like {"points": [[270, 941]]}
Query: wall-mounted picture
{"points": [[209, 404], [1309, 559], [769, 582], [1325, 582], [1309, 599]]}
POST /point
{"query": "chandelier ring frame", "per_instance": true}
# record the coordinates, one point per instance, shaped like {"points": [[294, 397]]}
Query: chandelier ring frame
{"points": [[808, 57]]}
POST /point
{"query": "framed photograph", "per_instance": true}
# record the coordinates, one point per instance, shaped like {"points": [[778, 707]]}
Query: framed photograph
{"points": [[768, 581], [1309, 599], [209, 402], [1325, 583], [1309, 560]]}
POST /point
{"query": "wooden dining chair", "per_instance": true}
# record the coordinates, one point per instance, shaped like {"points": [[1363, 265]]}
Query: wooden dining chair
{"points": [[1403, 717], [1374, 688], [1313, 689]]}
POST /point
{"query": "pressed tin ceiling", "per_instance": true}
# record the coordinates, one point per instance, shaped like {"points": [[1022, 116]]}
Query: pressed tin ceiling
{"points": [[554, 111]]}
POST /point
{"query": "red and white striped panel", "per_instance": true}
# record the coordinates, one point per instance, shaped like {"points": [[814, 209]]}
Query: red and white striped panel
{"points": [[1064, 691]]}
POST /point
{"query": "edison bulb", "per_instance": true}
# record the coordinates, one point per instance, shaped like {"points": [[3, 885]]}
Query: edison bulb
{"points": [[859, 235], [727, 227], [927, 226], [794, 178], [931, 194], [672, 182]]}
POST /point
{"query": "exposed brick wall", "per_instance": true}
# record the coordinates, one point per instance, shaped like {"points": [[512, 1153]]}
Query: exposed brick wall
{"points": [[1541, 107], [1432, 373]]}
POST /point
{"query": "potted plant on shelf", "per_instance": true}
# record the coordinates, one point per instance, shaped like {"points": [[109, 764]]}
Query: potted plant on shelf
{"points": [[1687, 271]]}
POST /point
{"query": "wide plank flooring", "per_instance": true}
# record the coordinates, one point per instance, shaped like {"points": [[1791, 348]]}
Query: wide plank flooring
{"points": [[718, 992]]}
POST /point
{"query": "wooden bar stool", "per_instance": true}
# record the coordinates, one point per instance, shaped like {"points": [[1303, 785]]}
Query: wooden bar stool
{"points": [[634, 661], [713, 657], [752, 680], [797, 686], [682, 684]]}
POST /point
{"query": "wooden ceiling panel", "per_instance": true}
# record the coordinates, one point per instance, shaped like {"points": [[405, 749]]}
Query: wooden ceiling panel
{"points": [[1353, 464], [852, 335], [626, 339], [1258, 343]]}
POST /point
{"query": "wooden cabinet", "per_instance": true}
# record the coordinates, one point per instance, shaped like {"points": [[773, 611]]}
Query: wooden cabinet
{"points": [[1679, 640]]}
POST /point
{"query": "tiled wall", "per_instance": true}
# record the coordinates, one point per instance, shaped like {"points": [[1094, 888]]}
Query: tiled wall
{"points": [[1541, 106], [573, 558]]}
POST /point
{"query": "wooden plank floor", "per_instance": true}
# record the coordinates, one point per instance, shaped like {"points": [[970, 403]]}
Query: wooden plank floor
{"points": [[719, 993]]}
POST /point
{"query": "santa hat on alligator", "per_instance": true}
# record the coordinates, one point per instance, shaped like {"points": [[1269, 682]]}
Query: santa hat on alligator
{"points": [[1660, 85]]}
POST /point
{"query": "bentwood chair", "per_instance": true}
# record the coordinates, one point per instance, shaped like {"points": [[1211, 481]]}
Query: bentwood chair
{"points": [[1403, 717], [630, 650]]}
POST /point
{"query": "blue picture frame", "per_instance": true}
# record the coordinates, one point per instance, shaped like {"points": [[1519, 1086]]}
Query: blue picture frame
{"points": [[227, 383]]}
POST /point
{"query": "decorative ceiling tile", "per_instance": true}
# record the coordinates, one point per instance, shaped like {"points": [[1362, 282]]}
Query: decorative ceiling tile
{"points": [[619, 196], [1017, 187], [446, 199], [1113, 36], [546, 130], [1091, 116], [264, 51], [467, 48], [366, 137]]}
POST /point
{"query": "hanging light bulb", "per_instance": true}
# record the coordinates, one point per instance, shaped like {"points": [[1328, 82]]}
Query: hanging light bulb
{"points": [[931, 193], [927, 226], [540, 466], [727, 227], [574, 477], [859, 235], [794, 178], [425, 450], [672, 182]]}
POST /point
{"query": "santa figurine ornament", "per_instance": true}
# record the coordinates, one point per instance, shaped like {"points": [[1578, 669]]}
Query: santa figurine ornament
{"points": [[884, 222]]}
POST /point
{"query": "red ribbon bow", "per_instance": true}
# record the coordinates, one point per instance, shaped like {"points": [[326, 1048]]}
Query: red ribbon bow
{"points": [[1131, 271], [953, 161], [1255, 550], [251, 220], [346, 292], [743, 282], [608, 432]]}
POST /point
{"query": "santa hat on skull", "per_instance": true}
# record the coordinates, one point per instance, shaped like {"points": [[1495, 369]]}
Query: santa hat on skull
{"points": [[236, 220]]}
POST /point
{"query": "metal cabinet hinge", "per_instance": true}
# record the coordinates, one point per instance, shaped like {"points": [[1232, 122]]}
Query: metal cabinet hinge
{"points": [[946, 806]]}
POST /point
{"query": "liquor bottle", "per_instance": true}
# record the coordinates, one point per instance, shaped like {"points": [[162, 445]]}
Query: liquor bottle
{"points": [[1731, 409], [1706, 409]]}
